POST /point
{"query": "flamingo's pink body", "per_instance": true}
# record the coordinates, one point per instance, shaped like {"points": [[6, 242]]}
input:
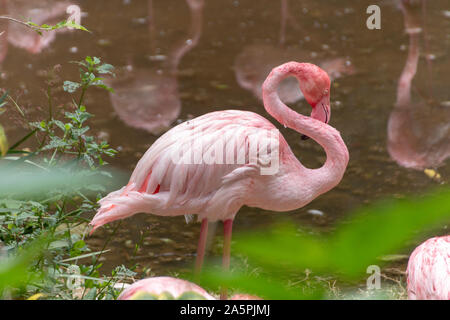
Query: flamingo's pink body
{"points": [[158, 285], [216, 191], [429, 270]]}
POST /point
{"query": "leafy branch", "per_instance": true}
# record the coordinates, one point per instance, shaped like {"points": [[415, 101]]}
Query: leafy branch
{"points": [[45, 27]]}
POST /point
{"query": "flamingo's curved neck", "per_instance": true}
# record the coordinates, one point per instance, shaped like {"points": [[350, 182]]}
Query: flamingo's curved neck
{"points": [[409, 71], [329, 138]]}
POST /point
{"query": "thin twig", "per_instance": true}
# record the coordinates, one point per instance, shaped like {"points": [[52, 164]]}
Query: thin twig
{"points": [[34, 28]]}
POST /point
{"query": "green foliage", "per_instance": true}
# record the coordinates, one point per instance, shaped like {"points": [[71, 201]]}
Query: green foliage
{"points": [[45, 193], [89, 68], [373, 232], [14, 270], [60, 25], [48, 191], [70, 138], [34, 180], [3, 140]]}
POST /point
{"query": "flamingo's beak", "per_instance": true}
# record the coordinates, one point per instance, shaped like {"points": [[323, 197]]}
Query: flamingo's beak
{"points": [[321, 111]]}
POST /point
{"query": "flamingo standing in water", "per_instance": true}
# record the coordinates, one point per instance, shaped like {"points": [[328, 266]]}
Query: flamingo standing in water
{"points": [[429, 270], [216, 190]]}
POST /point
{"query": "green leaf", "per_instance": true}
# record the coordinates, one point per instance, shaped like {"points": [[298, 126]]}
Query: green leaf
{"points": [[3, 142], [265, 287], [105, 87], [79, 244], [58, 244], [27, 181], [142, 295], [71, 24], [55, 142], [70, 86], [105, 68], [373, 232], [191, 295], [14, 270]]}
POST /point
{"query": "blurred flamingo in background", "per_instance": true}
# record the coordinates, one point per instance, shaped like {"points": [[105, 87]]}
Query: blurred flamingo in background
{"points": [[162, 286], [217, 190], [429, 270], [255, 62], [148, 99], [48, 12], [418, 131]]}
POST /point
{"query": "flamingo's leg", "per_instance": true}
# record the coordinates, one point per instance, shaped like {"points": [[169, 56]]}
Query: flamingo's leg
{"points": [[227, 230], [201, 246]]}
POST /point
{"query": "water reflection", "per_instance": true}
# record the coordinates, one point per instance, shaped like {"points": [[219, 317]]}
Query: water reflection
{"points": [[255, 62], [418, 129], [4, 30], [148, 98]]}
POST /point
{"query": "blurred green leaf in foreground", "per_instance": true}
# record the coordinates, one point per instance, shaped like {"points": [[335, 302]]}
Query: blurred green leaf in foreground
{"points": [[30, 179], [14, 269], [372, 232]]}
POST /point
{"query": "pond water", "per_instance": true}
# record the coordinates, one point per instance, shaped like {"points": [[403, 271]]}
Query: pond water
{"points": [[179, 59]]}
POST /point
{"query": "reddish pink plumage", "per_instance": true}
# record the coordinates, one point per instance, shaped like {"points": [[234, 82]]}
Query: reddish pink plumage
{"points": [[192, 184], [216, 191], [429, 270]]}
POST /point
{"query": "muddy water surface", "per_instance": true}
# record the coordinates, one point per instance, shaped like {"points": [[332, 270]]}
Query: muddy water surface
{"points": [[179, 59]]}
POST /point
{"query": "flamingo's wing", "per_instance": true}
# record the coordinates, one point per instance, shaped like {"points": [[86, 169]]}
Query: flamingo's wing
{"points": [[200, 163], [429, 270], [199, 156]]}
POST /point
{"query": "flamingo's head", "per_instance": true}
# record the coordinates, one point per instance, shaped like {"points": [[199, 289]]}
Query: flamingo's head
{"points": [[315, 85]]}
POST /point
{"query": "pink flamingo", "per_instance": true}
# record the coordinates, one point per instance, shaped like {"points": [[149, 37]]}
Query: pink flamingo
{"points": [[429, 270], [217, 190], [174, 286], [418, 133], [148, 99]]}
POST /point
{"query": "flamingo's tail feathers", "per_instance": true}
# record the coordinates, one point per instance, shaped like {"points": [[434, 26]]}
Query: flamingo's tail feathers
{"points": [[121, 204]]}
